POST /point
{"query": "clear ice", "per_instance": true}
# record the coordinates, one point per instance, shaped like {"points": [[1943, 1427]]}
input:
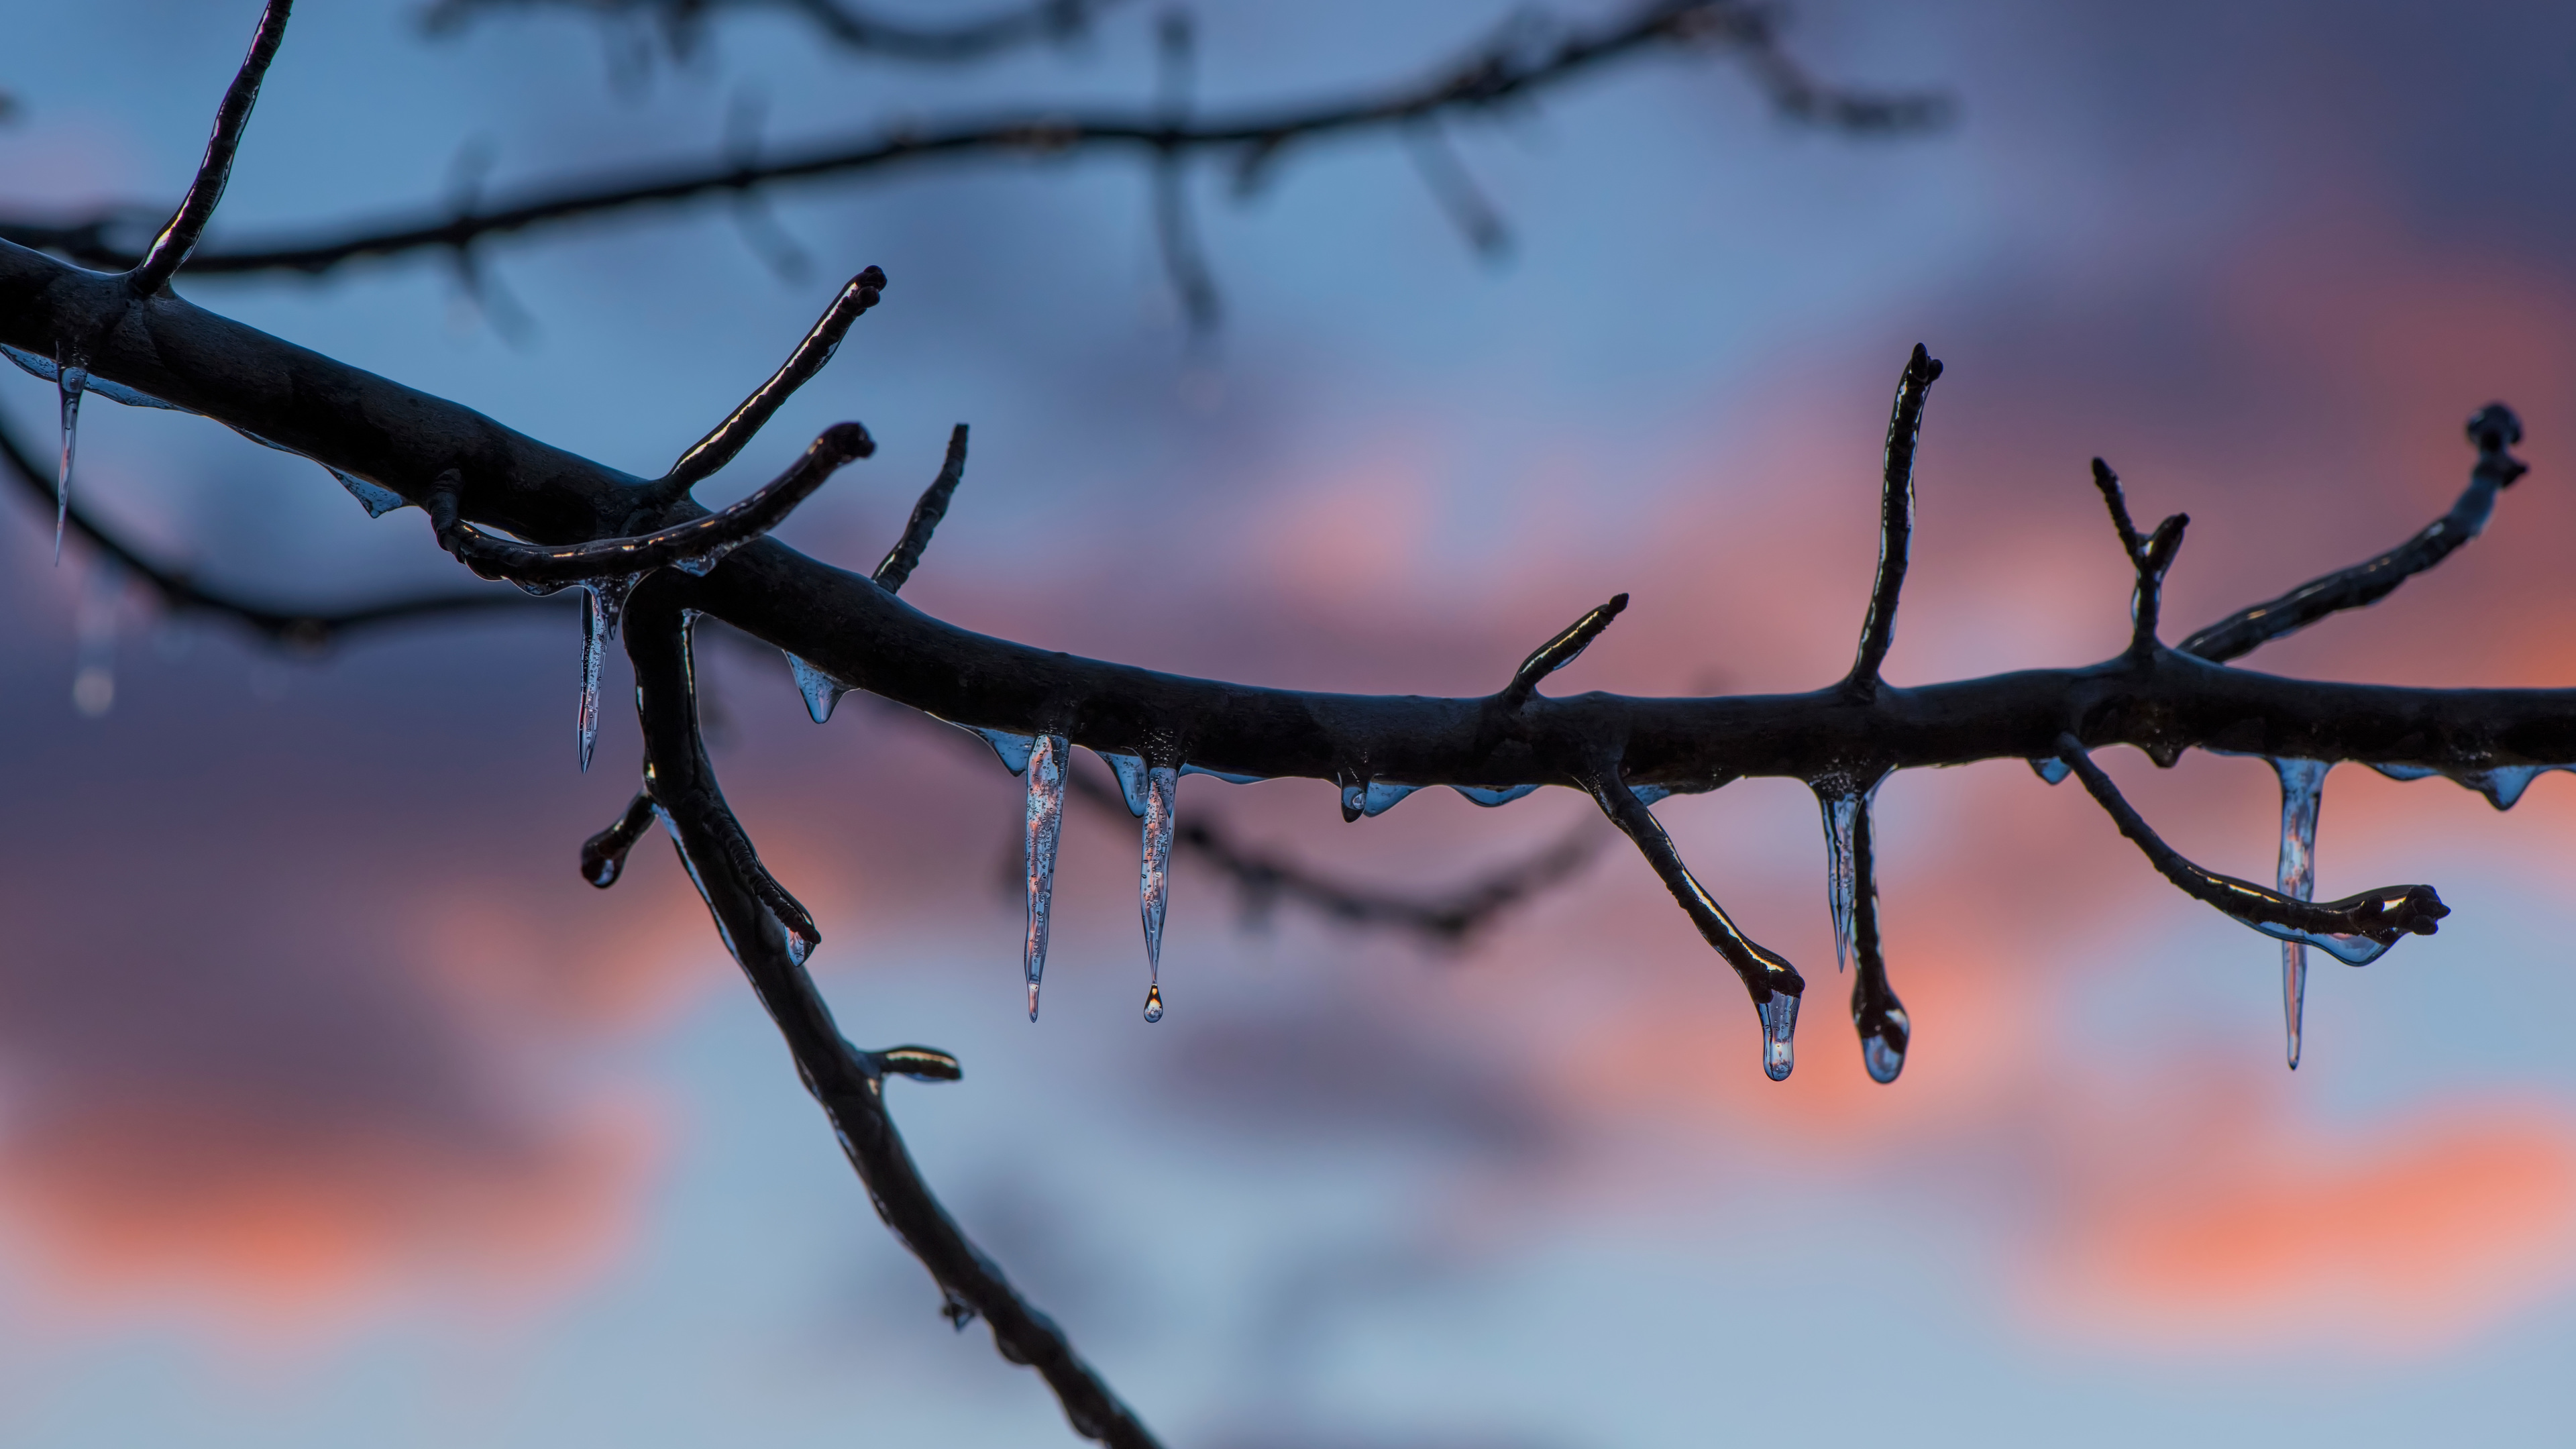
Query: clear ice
{"points": [[1221, 775], [68, 385], [1046, 823], [1014, 749], [1842, 809], [375, 498], [1885, 1058], [1130, 770], [1153, 877], [1379, 798], [2051, 768], [1489, 797], [603, 604], [2302, 787], [822, 692], [1779, 1028]]}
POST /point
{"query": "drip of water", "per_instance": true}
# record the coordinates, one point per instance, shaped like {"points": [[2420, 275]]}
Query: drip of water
{"points": [[1842, 807], [2303, 785], [1045, 824], [1221, 775], [1379, 798], [1153, 877], [1014, 749], [603, 604], [375, 498], [73, 377], [822, 692], [1490, 797], [1884, 1057], [1779, 1028], [2051, 769], [94, 669], [1130, 770]]}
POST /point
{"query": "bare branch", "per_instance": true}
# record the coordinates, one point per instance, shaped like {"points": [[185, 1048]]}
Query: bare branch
{"points": [[2493, 432], [905, 556], [719, 446], [169, 251], [2356, 930], [1557, 653], [1895, 521], [844, 24], [1487, 78]]}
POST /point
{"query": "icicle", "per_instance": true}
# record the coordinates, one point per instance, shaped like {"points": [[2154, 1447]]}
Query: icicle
{"points": [[1379, 798], [72, 377], [1490, 797], [1779, 1027], [377, 499], [1013, 749], [1153, 877], [1130, 770], [1842, 807], [1045, 824], [2503, 786], [603, 604], [822, 692], [94, 670], [2050, 769], [1883, 1057], [2302, 787], [1221, 775]]}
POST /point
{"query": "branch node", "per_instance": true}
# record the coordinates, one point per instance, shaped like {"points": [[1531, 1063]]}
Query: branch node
{"points": [[1557, 653]]}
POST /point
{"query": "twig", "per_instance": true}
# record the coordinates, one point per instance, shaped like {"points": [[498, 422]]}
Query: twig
{"points": [[905, 556], [2149, 557], [1895, 521], [727, 438], [844, 24], [169, 251]]}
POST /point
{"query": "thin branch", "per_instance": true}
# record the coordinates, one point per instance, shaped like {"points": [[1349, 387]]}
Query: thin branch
{"points": [[2150, 557], [603, 856], [2493, 432], [720, 445], [169, 250], [1487, 78], [1895, 520], [847, 1082], [1459, 198], [299, 628], [2356, 929], [845, 25], [905, 556], [1557, 653], [1885, 1030], [1765, 973]]}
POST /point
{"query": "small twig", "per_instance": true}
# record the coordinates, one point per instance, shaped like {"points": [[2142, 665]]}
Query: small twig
{"points": [[1885, 1029], [1445, 176], [2348, 928], [2149, 557], [2493, 432], [1557, 653], [169, 250], [1764, 972], [844, 24], [1895, 522], [719, 446], [905, 556], [603, 856]]}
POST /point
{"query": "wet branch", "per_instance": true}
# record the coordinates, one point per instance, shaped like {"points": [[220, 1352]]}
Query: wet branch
{"points": [[2150, 556], [1523, 63], [1895, 520], [905, 556]]}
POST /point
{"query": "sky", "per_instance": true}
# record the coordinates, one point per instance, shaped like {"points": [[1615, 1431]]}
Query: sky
{"points": [[334, 1109]]}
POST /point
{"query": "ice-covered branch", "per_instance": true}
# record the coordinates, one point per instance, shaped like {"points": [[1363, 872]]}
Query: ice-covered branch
{"points": [[905, 556], [2150, 556], [2356, 930], [169, 251], [2493, 432], [848, 1083], [1895, 520], [849, 26], [1526, 61], [727, 438], [1557, 653]]}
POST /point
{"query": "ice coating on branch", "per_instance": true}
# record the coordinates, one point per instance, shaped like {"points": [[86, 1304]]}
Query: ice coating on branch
{"points": [[68, 385], [2502, 785], [1153, 877], [822, 692], [2407, 772], [115, 392], [377, 499], [2051, 769], [2302, 788], [1842, 807], [1779, 1032], [603, 604], [1354, 800], [1490, 797], [1130, 770], [1045, 824], [1380, 797], [1014, 750], [1221, 775]]}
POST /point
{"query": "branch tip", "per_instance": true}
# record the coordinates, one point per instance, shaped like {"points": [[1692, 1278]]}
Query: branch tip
{"points": [[1895, 520], [905, 556], [1558, 652], [169, 250], [727, 438]]}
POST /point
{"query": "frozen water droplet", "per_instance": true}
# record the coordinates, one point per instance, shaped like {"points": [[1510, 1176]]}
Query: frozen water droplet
{"points": [[1130, 770], [1490, 797], [822, 692], [2302, 790], [1650, 794], [1221, 775], [1380, 797], [1884, 1053], [1779, 1030], [377, 499], [2503, 785], [2407, 772], [1842, 809], [603, 604], [1354, 800], [67, 386], [956, 1310], [1013, 749], [1153, 876], [2051, 769], [1045, 825]]}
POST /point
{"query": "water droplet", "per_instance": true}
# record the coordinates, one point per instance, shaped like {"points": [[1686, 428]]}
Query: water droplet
{"points": [[1222, 775], [1380, 797], [1779, 1030], [1884, 1052], [375, 498], [1842, 809], [1130, 770], [67, 386], [2051, 769], [1045, 825], [603, 604], [2302, 789], [1490, 797], [822, 692], [1153, 876]]}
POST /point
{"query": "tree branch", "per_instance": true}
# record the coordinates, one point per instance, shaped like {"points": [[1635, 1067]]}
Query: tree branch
{"points": [[845, 25], [1895, 520]]}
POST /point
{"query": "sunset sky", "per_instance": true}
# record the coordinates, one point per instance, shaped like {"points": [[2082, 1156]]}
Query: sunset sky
{"points": [[335, 1110]]}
